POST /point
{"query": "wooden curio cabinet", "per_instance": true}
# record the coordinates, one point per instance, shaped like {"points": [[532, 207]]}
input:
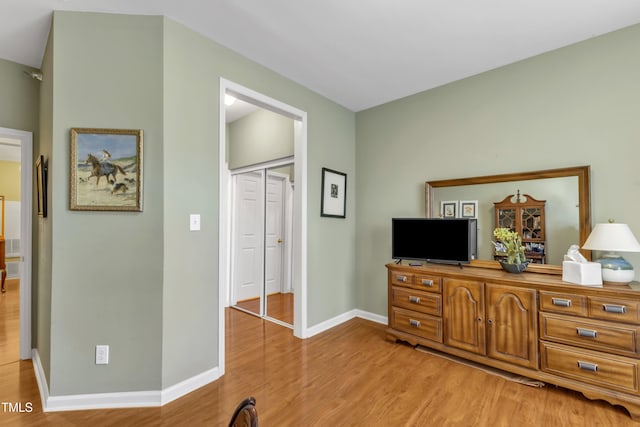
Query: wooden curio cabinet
{"points": [[526, 217]]}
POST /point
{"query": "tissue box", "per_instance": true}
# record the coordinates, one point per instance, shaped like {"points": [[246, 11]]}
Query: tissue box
{"points": [[582, 273]]}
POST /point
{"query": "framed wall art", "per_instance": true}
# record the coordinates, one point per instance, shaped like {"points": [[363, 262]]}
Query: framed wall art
{"points": [[468, 209], [106, 170], [41, 185], [449, 209], [334, 194]]}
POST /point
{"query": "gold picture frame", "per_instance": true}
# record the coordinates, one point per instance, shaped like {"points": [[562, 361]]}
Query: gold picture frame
{"points": [[106, 170]]}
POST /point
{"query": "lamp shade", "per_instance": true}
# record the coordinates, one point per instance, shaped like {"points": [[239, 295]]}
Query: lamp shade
{"points": [[612, 237]]}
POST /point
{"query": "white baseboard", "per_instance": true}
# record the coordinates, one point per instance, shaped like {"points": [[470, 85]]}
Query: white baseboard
{"points": [[41, 378], [335, 321], [176, 391], [372, 317], [160, 397], [116, 400]]}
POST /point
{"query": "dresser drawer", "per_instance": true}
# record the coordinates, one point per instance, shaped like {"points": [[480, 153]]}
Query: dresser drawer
{"points": [[606, 370], [594, 334], [428, 283], [401, 279], [415, 323], [620, 310], [563, 303], [424, 302]]}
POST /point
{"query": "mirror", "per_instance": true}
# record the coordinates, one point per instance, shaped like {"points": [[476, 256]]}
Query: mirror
{"points": [[576, 179]]}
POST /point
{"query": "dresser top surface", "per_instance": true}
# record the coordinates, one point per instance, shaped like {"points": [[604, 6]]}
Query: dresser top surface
{"points": [[538, 280]]}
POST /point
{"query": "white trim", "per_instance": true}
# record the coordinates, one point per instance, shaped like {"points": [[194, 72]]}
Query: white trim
{"points": [[82, 402], [160, 398], [300, 229], [345, 317], [26, 192], [136, 399], [288, 232], [373, 317], [41, 378], [182, 388], [286, 161], [300, 208]]}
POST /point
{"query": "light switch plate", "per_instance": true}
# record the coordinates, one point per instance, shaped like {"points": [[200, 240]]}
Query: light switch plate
{"points": [[194, 222], [102, 355]]}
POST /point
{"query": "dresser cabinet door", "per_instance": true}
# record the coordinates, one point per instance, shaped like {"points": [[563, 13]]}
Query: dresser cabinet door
{"points": [[463, 304], [511, 325]]}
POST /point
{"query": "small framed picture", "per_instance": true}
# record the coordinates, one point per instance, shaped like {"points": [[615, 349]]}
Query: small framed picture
{"points": [[449, 209], [334, 194], [468, 209], [41, 185]]}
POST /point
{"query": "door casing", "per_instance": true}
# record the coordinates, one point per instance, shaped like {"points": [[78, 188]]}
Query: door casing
{"points": [[26, 188], [300, 328]]}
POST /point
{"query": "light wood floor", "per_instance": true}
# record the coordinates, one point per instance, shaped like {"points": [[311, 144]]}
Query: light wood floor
{"points": [[279, 306], [348, 376], [10, 322]]}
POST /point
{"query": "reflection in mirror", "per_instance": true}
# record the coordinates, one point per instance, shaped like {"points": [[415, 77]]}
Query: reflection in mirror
{"points": [[260, 155], [567, 209], [278, 244], [561, 210], [263, 236]]}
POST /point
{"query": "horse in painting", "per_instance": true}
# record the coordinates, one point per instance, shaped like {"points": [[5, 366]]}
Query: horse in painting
{"points": [[106, 169]]}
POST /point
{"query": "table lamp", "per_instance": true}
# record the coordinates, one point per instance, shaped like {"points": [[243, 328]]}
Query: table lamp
{"points": [[611, 238]]}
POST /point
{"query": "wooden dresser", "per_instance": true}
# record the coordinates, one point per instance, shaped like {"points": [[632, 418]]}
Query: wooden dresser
{"points": [[582, 338]]}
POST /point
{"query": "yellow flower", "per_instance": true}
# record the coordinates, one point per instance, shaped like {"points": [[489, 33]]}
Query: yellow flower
{"points": [[509, 243]]}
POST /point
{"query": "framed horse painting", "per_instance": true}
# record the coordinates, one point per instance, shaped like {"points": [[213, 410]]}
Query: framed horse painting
{"points": [[106, 170]]}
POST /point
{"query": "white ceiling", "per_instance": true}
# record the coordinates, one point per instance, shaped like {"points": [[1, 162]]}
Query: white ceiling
{"points": [[359, 53]]}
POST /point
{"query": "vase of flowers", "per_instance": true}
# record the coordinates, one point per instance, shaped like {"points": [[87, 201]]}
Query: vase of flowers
{"points": [[508, 244]]}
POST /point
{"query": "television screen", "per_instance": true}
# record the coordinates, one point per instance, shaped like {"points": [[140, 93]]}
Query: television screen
{"points": [[434, 239]]}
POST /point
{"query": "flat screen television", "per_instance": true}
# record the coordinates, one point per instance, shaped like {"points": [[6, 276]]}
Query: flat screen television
{"points": [[437, 240]]}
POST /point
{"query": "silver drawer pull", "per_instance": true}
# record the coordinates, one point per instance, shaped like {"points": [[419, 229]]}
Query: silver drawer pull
{"points": [[414, 323], [611, 308], [587, 333], [593, 367], [401, 278], [413, 299], [561, 302], [427, 282]]}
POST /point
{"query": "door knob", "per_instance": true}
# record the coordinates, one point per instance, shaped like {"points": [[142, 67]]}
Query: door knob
{"points": [[279, 240]]}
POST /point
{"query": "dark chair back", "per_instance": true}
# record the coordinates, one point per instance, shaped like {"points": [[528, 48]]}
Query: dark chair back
{"points": [[245, 414]]}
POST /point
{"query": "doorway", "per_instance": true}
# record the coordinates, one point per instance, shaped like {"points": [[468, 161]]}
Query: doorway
{"points": [[299, 215], [262, 236], [16, 152]]}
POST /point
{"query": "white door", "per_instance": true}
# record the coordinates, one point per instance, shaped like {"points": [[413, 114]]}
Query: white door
{"points": [[248, 236], [274, 233]]}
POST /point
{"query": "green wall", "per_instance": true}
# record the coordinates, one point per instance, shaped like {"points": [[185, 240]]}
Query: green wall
{"points": [[19, 98], [141, 282], [259, 137], [106, 267], [570, 107], [20, 109], [190, 308], [41, 230]]}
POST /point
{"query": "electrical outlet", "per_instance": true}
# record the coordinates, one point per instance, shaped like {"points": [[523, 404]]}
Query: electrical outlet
{"points": [[102, 354]]}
